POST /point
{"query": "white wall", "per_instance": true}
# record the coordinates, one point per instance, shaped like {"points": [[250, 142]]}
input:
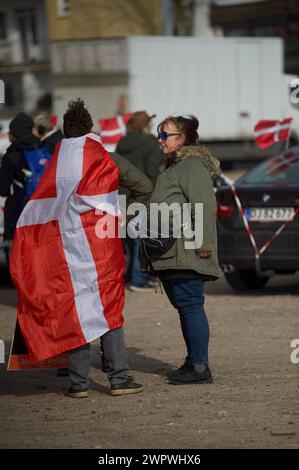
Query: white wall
{"points": [[229, 84]]}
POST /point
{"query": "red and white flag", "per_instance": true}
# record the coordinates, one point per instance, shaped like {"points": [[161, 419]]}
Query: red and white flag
{"points": [[69, 281], [54, 120], [281, 163], [112, 129], [268, 132]]}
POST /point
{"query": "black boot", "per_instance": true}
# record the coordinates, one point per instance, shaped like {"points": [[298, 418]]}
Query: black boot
{"points": [[191, 374], [180, 370]]}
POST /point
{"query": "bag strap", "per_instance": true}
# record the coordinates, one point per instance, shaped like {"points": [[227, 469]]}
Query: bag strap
{"points": [[148, 258], [152, 271]]}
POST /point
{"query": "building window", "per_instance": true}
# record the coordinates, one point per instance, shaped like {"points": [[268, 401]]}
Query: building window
{"points": [[26, 22], [2, 26], [63, 7]]}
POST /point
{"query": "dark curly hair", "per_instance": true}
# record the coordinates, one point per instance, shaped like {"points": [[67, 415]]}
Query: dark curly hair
{"points": [[76, 120]]}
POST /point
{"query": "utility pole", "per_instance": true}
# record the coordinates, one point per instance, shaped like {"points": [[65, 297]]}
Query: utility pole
{"points": [[167, 17]]}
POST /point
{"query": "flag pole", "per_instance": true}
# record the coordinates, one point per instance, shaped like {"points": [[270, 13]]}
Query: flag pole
{"points": [[288, 139]]}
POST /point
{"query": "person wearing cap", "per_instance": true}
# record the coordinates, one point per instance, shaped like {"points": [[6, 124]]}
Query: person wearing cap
{"points": [[12, 175], [142, 149], [47, 133]]}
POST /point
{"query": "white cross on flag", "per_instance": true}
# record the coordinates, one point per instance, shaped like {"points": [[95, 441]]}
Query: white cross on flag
{"points": [[112, 129], [268, 132], [281, 163], [69, 281]]}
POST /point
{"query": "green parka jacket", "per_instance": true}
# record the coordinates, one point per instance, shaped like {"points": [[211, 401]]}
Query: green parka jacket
{"points": [[136, 185], [143, 151], [189, 180]]}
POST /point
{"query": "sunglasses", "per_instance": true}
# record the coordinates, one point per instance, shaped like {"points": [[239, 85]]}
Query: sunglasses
{"points": [[164, 135]]}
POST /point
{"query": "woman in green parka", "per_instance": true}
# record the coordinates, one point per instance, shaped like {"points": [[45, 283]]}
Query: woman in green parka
{"points": [[187, 178]]}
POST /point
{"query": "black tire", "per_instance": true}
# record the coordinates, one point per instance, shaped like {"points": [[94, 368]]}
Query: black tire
{"points": [[245, 279]]}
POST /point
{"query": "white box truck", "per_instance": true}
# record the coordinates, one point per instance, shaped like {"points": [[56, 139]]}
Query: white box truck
{"points": [[229, 84]]}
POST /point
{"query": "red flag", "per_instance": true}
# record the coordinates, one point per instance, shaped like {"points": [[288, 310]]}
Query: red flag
{"points": [[112, 129], [69, 279], [281, 163], [267, 132], [18, 359], [54, 120]]}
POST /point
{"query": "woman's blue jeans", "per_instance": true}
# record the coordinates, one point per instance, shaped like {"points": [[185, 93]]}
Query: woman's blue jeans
{"points": [[187, 296], [137, 277]]}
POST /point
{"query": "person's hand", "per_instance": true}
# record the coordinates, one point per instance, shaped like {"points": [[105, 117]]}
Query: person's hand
{"points": [[204, 253]]}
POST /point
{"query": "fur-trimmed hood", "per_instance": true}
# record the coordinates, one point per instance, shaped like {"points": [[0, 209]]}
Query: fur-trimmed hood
{"points": [[203, 153], [199, 151]]}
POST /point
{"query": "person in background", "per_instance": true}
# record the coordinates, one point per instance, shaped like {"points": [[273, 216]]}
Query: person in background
{"points": [[141, 149], [13, 173], [187, 178], [4, 141], [46, 132]]}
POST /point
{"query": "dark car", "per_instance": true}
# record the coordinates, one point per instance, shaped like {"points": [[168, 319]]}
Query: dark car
{"points": [[269, 197]]}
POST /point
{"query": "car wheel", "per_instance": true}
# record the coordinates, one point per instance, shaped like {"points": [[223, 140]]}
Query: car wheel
{"points": [[244, 279]]}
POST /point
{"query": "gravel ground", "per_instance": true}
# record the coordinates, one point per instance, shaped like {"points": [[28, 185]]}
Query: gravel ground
{"points": [[253, 402]]}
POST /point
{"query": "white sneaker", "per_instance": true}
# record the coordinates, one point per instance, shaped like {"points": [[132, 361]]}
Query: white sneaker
{"points": [[143, 288]]}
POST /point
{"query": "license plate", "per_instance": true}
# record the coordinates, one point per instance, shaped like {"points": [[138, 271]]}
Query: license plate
{"points": [[269, 214]]}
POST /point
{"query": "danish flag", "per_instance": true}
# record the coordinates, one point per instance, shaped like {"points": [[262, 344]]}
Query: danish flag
{"points": [[268, 132], [69, 281], [112, 129], [281, 163], [54, 120]]}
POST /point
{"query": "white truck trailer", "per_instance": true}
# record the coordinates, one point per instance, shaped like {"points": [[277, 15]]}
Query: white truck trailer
{"points": [[228, 83]]}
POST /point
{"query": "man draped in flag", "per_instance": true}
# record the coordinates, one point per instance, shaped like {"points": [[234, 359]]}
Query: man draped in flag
{"points": [[268, 132], [69, 281]]}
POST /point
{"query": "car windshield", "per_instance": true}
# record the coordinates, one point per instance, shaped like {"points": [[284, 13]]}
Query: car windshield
{"points": [[283, 168]]}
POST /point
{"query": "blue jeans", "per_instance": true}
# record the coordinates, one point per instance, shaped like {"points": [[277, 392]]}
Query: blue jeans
{"points": [[137, 277], [187, 296]]}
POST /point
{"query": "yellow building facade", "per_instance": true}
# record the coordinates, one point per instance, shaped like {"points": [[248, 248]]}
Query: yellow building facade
{"points": [[89, 50], [87, 19]]}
